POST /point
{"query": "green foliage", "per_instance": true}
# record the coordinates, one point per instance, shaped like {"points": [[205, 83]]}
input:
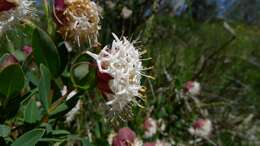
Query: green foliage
{"points": [[45, 51], [44, 86], [30, 138], [32, 113], [11, 81], [4, 131]]}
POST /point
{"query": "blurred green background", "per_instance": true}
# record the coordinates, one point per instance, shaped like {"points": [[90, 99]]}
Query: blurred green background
{"points": [[215, 42]]}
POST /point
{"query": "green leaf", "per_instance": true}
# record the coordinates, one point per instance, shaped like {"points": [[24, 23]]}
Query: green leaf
{"points": [[19, 55], [31, 76], [62, 107], [11, 80], [4, 131], [97, 130], [81, 71], [44, 86], [85, 142], [83, 57], [45, 51], [64, 54], [60, 132], [83, 76], [29, 138], [32, 113], [10, 45]]}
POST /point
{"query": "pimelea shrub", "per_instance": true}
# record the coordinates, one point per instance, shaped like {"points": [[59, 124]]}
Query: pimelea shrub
{"points": [[49, 76]]}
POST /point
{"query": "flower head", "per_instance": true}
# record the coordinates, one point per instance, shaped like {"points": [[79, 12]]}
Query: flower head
{"points": [[27, 50], [201, 128], [12, 11], [124, 137], [78, 20], [150, 127], [119, 74], [192, 87]]}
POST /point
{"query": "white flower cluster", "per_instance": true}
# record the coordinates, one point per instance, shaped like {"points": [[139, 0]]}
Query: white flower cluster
{"points": [[82, 21], [201, 128], [23, 9], [122, 62]]}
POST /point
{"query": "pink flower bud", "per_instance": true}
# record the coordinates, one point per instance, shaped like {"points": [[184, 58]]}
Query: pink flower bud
{"points": [[8, 60], [6, 5], [125, 137], [59, 5], [27, 50], [199, 123], [192, 87], [201, 128]]}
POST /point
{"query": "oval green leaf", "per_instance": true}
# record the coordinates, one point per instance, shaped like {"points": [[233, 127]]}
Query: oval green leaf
{"points": [[30, 138], [11, 80], [45, 51], [32, 113]]}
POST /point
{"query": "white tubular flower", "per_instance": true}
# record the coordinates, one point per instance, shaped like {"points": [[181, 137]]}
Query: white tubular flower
{"points": [[119, 74], [70, 116], [12, 11], [150, 127], [201, 128], [79, 21]]}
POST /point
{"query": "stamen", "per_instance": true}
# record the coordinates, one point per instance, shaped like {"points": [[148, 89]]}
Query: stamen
{"points": [[149, 68], [145, 59], [151, 77], [143, 52]]}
